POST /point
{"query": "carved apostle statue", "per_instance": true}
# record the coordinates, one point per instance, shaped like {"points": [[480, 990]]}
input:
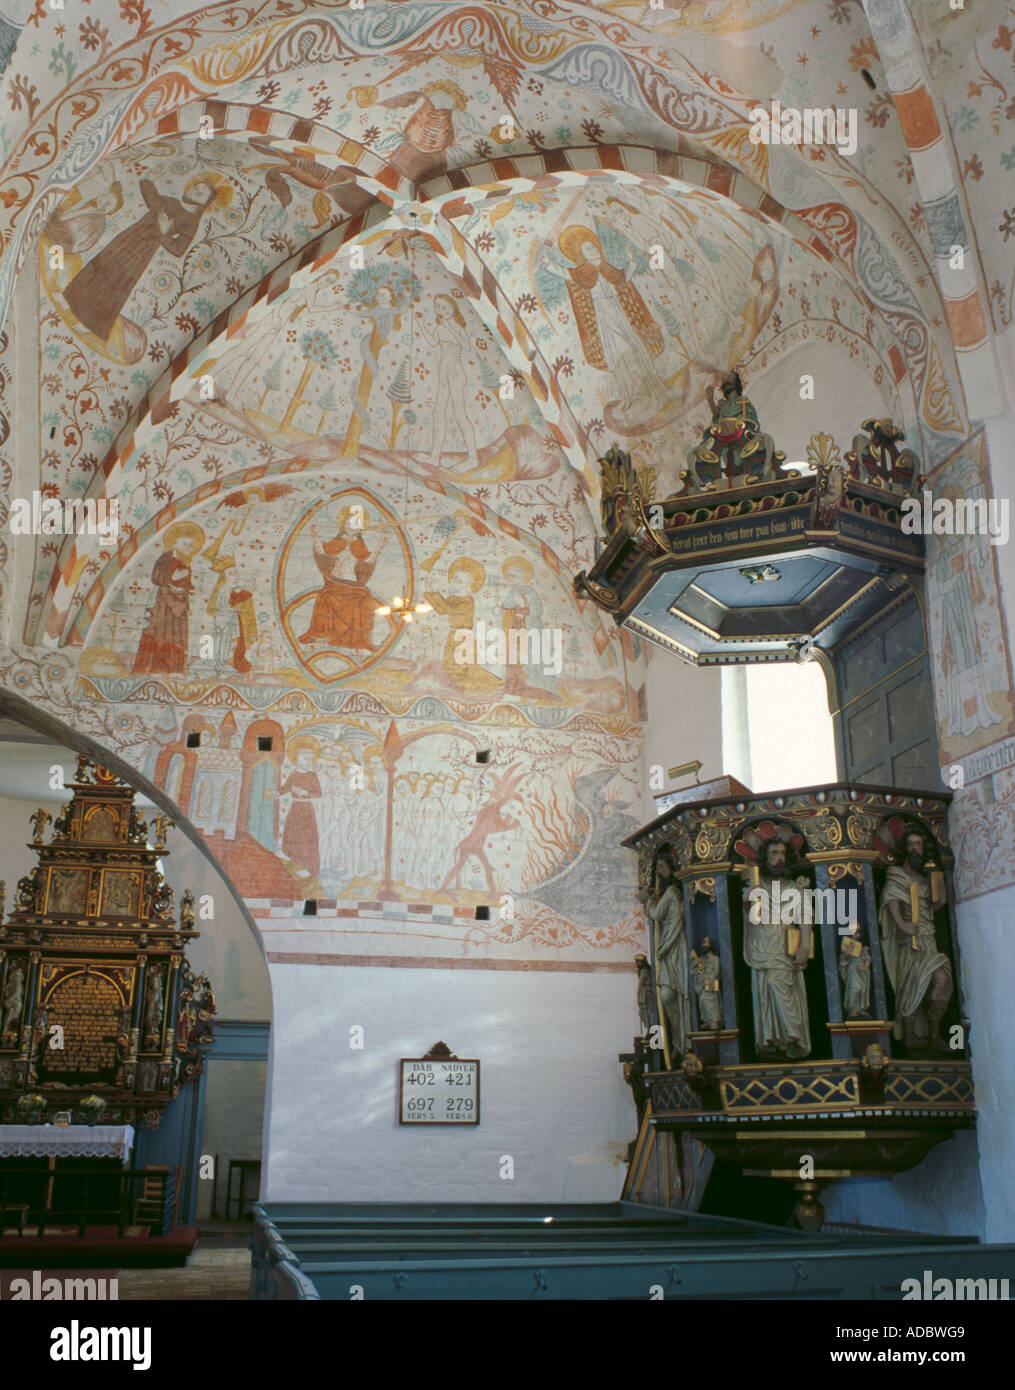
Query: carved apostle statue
{"points": [[646, 991], [920, 974], [855, 973], [706, 985], [777, 940], [14, 997], [666, 913]]}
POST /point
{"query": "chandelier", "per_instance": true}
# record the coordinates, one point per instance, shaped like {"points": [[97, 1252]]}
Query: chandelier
{"points": [[401, 606]]}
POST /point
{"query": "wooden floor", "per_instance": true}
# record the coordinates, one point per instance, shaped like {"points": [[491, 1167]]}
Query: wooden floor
{"points": [[213, 1271]]}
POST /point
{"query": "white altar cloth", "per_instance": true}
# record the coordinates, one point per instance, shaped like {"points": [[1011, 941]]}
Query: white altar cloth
{"points": [[66, 1141]]}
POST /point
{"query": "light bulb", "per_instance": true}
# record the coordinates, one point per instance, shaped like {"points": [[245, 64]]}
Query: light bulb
{"points": [[383, 612], [423, 608], [397, 601]]}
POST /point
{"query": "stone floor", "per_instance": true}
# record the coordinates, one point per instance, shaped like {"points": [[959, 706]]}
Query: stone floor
{"points": [[218, 1268]]}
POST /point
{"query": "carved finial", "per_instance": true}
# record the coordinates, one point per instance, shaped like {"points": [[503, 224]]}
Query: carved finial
{"points": [[876, 458], [822, 451], [824, 456], [161, 826], [623, 487], [187, 911], [28, 891]]}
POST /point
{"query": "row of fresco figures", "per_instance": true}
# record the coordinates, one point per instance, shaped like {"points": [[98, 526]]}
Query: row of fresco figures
{"points": [[344, 616], [348, 809], [777, 937], [490, 626], [484, 625]]}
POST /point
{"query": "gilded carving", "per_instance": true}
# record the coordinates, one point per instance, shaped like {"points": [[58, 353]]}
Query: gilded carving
{"points": [[88, 973], [824, 831], [849, 867], [711, 842], [702, 885], [860, 828]]}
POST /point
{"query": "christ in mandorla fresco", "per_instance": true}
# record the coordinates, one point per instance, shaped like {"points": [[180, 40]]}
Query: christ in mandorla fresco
{"points": [[344, 609]]}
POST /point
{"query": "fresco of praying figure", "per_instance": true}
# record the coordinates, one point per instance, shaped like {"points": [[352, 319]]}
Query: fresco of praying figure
{"points": [[100, 290], [300, 841], [422, 149], [616, 330], [968, 665], [164, 641], [344, 609], [522, 610], [465, 578]]}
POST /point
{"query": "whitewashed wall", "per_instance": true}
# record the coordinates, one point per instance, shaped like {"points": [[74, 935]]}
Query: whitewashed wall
{"points": [[552, 1096]]}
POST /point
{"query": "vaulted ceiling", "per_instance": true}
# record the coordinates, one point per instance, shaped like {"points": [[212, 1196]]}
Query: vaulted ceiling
{"points": [[307, 241]]}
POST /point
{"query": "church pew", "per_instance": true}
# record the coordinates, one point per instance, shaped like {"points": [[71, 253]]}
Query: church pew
{"points": [[866, 1271], [611, 1250]]}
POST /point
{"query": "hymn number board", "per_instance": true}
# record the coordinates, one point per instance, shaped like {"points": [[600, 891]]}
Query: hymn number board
{"points": [[439, 1091]]}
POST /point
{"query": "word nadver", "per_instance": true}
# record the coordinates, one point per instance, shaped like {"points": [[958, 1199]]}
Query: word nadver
{"points": [[51, 516], [785, 125], [527, 646], [77, 1343], [956, 516]]}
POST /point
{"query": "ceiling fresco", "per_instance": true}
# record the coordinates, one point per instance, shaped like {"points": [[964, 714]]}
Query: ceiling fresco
{"points": [[341, 307]]}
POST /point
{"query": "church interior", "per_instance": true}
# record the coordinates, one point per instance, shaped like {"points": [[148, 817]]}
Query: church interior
{"points": [[503, 583]]}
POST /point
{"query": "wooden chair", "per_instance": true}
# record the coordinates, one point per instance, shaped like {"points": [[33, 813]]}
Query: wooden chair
{"points": [[151, 1207]]}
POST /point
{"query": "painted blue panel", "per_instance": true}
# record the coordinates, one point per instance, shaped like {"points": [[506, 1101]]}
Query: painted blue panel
{"points": [[177, 1143], [240, 1040], [797, 579]]}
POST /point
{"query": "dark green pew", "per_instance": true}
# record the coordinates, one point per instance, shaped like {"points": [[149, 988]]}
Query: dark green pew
{"points": [[606, 1251], [844, 1274]]}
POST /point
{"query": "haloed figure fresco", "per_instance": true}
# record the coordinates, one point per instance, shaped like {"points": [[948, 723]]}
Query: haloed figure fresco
{"points": [[164, 641], [616, 330], [299, 834], [99, 292]]}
